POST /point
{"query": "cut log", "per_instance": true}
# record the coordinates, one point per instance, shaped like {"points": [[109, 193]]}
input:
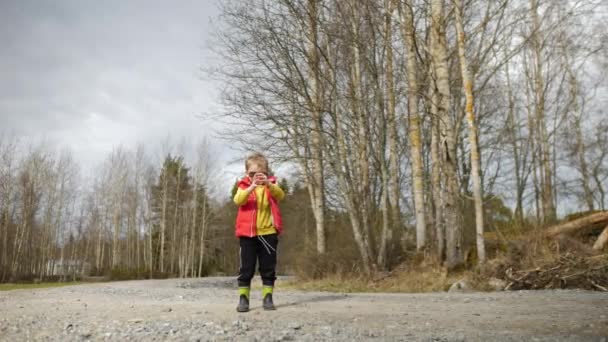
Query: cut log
{"points": [[587, 222], [601, 240]]}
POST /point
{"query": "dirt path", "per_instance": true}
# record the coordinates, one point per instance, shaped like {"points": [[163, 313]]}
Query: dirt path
{"points": [[204, 309]]}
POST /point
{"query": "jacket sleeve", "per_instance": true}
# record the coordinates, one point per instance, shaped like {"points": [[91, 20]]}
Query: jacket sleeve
{"points": [[240, 197], [276, 192]]}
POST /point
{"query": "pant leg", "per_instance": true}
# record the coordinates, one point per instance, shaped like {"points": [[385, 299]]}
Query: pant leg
{"points": [[248, 260], [267, 255]]}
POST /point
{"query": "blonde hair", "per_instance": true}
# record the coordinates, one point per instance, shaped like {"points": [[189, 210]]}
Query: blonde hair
{"points": [[257, 158]]}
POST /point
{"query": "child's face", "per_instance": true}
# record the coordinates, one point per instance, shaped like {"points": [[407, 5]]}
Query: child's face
{"points": [[256, 168]]}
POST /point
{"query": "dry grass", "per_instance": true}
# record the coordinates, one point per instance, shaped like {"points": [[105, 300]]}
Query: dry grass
{"points": [[417, 275]]}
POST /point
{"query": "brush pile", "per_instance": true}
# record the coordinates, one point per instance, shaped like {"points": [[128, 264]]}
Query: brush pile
{"points": [[569, 255], [567, 272]]}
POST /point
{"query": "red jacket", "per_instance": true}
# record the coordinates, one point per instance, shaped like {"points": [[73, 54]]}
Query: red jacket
{"points": [[246, 217]]}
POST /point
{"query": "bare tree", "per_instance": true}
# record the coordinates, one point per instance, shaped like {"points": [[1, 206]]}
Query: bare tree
{"points": [[447, 143], [316, 184], [467, 84], [415, 139]]}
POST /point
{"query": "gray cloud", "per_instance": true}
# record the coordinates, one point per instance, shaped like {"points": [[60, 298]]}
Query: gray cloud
{"points": [[91, 75]]}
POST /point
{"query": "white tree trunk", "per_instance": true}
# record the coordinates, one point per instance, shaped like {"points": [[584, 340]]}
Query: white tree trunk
{"points": [[447, 144], [393, 137], [415, 138], [317, 183], [163, 223], [601, 241], [439, 217], [548, 206], [467, 83]]}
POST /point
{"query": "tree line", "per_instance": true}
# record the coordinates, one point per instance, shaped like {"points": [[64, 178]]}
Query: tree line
{"points": [[132, 218]]}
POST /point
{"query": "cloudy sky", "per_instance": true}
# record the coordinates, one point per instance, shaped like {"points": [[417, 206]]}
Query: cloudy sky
{"points": [[92, 75]]}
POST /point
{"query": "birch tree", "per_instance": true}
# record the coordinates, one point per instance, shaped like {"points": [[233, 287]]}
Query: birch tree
{"points": [[447, 143], [467, 84], [409, 34]]}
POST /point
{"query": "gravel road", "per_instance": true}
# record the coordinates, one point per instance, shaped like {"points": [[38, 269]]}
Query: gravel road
{"points": [[204, 310]]}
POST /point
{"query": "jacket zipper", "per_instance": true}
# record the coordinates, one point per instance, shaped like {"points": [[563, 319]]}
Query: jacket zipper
{"points": [[254, 210]]}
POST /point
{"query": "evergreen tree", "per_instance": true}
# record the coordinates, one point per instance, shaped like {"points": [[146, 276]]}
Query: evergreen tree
{"points": [[171, 196]]}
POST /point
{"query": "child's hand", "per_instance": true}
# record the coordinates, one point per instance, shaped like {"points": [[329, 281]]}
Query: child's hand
{"points": [[260, 179]]}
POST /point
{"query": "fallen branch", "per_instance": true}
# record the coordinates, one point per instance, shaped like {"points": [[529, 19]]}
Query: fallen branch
{"points": [[598, 286], [589, 221], [552, 269], [601, 240], [574, 275], [537, 269]]}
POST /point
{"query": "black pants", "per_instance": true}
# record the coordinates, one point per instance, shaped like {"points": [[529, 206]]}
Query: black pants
{"points": [[264, 249]]}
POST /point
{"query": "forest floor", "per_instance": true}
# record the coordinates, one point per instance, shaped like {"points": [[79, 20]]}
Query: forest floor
{"points": [[204, 309]]}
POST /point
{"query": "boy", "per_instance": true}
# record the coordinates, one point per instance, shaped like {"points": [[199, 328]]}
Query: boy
{"points": [[258, 224]]}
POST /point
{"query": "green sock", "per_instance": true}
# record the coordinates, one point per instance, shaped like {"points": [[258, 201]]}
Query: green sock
{"points": [[266, 290], [244, 291]]}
